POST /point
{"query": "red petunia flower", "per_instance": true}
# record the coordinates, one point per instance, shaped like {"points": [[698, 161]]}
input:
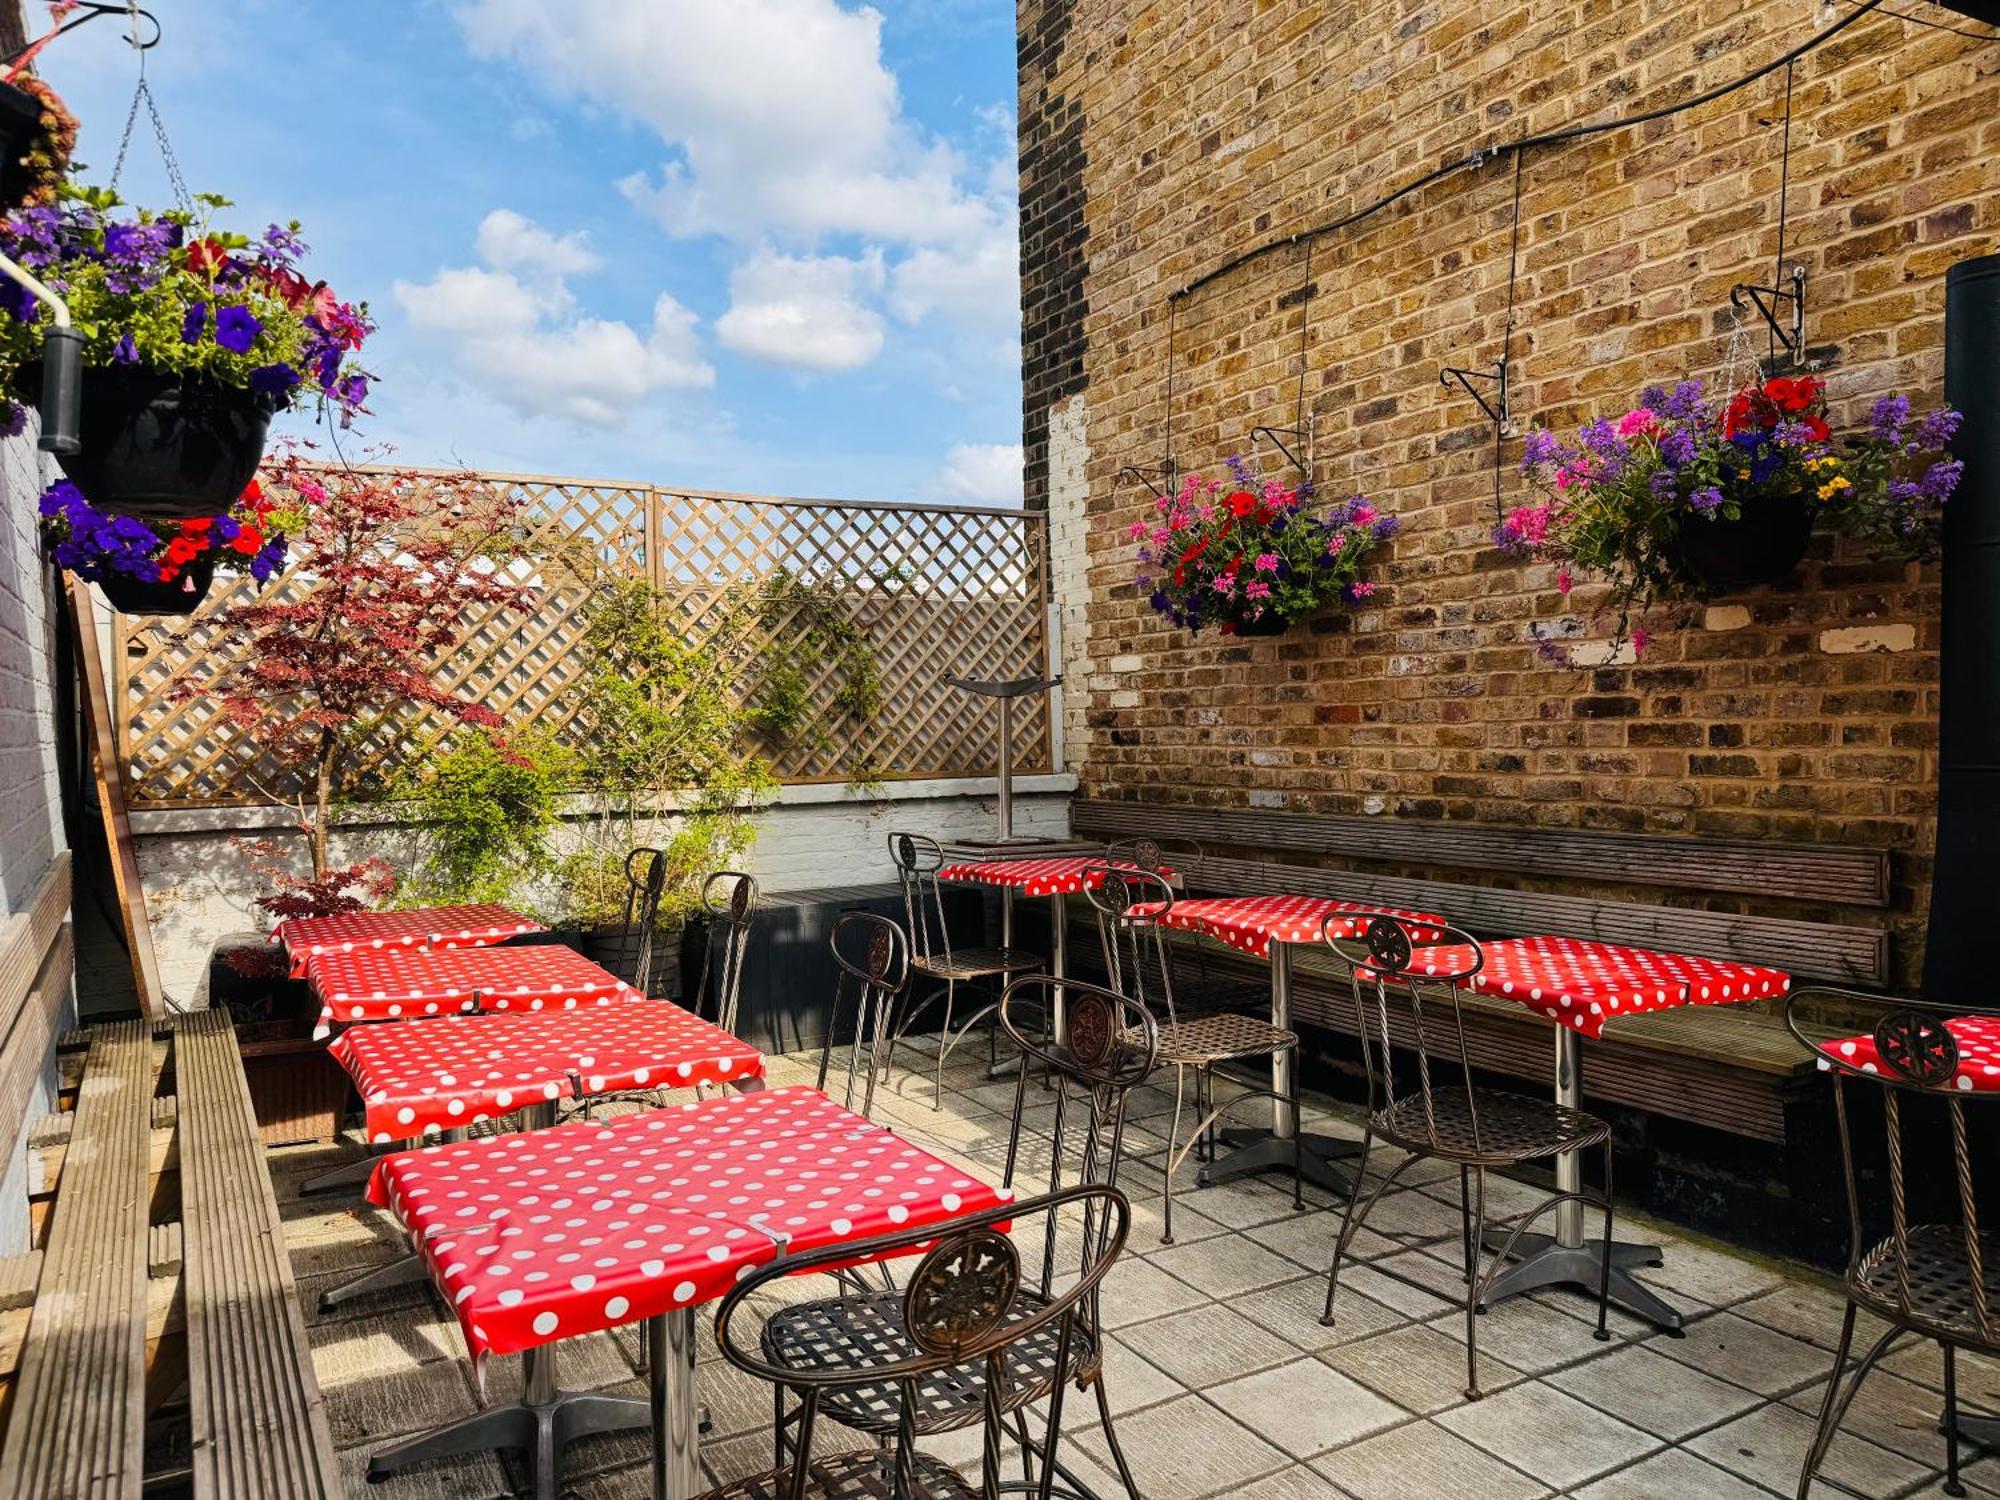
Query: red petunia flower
{"points": [[1242, 503], [205, 256], [248, 540]]}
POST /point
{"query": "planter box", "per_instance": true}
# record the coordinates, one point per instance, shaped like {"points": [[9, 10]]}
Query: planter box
{"points": [[298, 1091]]}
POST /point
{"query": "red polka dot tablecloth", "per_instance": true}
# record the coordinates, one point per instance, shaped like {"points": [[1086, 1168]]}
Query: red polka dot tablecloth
{"points": [[437, 926], [1585, 985], [1253, 923], [1978, 1039], [1037, 877], [548, 1235], [459, 1070], [391, 984]]}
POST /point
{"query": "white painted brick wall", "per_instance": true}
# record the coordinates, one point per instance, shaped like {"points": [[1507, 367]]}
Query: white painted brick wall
{"points": [[1069, 562]]}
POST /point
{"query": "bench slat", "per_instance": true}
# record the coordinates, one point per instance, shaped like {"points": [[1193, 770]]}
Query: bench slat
{"points": [[260, 1428], [1803, 872], [78, 1419]]}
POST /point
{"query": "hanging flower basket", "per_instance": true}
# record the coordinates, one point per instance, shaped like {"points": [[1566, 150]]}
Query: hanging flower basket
{"points": [[180, 595], [1763, 544], [37, 135]]}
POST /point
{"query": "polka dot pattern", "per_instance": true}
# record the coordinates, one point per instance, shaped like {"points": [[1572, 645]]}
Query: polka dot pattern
{"points": [[1253, 923], [567, 1231], [1585, 985], [393, 984], [1978, 1039], [418, 1080], [305, 938], [1036, 877]]}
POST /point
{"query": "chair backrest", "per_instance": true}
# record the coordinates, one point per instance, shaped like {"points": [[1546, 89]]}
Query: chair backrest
{"points": [[918, 859], [873, 961], [1396, 980], [1131, 906], [730, 899], [1182, 856], [1924, 1061], [959, 1307], [1108, 1046], [645, 880]]}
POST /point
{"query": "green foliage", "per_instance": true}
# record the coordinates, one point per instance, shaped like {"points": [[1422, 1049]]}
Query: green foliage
{"points": [[814, 631], [486, 807]]}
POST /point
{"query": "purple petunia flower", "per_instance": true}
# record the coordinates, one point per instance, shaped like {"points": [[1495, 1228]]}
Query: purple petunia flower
{"points": [[1887, 416], [1543, 447], [1936, 429], [278, 379], [193, 324], [1677, 448], [13, 418], [350, 391], [1939, 480], [1386, 527], [236, 329], [18, 301], [1706, 499], [126, 350]]}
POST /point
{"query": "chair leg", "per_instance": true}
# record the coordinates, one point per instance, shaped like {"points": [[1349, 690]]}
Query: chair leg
{"points": [[1953, 1485], [1173, 1145], [1823, 1430], [778, 1424], [1465, 1222], [944, 1041], [1350, 1220], [1111, 1440], [1472, 1391], [1298, 1138], [1603, 1333]]}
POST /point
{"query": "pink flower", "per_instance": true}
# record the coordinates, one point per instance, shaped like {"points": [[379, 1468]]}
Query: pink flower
{"points": [[1639, 640], [1206, 512], [1362, 589], [1224, 584], [1267, 562], [1365, 514], [1640, 422], [1562, 579], [1138, 530], [1257, 590], [1160, 537]]}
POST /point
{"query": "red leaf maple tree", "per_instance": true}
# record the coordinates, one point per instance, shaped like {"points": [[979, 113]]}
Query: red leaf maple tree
{"points": [[394, 569]]}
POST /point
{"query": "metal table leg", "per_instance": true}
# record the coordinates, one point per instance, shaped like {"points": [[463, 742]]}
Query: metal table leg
{"points": [[671, 1406], [1255, 1150], [348, 1174], [1566, 1258], [1058, 955]]}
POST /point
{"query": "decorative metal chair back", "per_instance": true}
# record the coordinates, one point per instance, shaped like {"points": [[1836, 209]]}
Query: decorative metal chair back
{"points": [[918, 859], [1390, 967], [1131, 906], [1108, 1047], [1928, 1277], [873, 962], [645, 880], [958, 1307], [1184, 863], [730, 899]]}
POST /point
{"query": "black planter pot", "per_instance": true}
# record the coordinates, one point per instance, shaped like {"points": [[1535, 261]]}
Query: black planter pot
{"points": [[1270, 623], [157, 446], [131, 596], [1763, 545]]}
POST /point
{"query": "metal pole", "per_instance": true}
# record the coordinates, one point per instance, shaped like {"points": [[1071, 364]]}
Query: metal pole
{"points": [[1283, 1126], [1569, 1165], [1006, 769], [676, 1442], [1059, 955]]}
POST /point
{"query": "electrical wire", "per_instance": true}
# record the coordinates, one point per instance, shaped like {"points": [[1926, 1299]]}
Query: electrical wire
{"points": [[1561, 137]]}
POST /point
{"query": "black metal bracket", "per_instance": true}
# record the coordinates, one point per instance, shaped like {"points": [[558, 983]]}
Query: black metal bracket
{"points": [[1153, 478], [1496, 409], [91, 10], [1278, 438], [1770, 301]]}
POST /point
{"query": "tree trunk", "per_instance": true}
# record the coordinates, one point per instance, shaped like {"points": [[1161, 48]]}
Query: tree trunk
{"points": [[329, 749]]}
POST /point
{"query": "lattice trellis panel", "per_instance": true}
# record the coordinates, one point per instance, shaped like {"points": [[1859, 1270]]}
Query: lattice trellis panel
{"points": [[938, 590]]}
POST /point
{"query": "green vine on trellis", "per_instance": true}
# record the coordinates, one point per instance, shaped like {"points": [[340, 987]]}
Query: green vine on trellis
{"points": [[813, 625]]}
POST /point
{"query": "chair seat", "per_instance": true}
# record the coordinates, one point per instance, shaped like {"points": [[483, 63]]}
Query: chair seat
{"points": [[1940, 1282], [855, 1476], [851, 1333], [1217, 1038], [977, 963], [1510, 1127]]}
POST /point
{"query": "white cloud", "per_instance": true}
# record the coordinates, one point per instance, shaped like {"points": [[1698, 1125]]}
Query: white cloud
{"points": [[806, 312], [980, 288], [528, 345], [982, 474], [514, 243]]}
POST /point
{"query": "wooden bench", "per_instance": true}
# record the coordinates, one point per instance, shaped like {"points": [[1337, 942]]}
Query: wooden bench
{"points": [[1733, 1068], [162, 1269]]}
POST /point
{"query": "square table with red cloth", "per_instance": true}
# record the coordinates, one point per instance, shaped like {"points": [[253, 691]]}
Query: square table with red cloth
{"points": [[1978, 1039], [460, 1070], [1039, 877], [389, 984], [435, 926], [1253, 923], [589, 1226], [1586, 985]]}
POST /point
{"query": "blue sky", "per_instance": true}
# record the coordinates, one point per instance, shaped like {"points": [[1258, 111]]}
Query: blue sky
{"points": [[759, 245]]}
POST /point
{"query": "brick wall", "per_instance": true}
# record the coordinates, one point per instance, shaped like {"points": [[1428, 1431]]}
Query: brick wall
{"points": [[1804, 712]]}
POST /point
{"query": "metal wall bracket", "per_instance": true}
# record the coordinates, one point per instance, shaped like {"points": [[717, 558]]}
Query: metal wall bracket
{"points": [[1773, 301], [1496, 409], [1296, 443], [1160, 478]]}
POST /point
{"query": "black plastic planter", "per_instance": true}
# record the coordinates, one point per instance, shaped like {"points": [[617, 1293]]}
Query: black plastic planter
{"points": [[1763, 545], [1270, 623], [131, 596], [160, 447]]}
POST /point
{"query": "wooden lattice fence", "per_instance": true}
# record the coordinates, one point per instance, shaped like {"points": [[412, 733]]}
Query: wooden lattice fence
{"points": [[939, 591]]}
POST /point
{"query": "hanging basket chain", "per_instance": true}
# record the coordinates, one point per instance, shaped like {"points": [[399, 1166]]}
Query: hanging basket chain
{"points": [[143, 94]]}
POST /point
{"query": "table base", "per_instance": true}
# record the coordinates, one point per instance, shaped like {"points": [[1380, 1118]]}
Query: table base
{"points": [[1254, 1150], [540, 1424], [351, 1174], [408, 1271], [1543, 1261]]}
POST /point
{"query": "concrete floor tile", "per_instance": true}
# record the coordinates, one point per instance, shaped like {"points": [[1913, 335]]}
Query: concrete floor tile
{"points": [[1423, 1459], [1769, 1445], [1673, 1473], [1645, 1388], [1225, 1266], [1187, 1448], [1748, 1354], [1292, 1310], [1553, 1436], [1420, 1367], [1207, 1345], [1306, 1407]]}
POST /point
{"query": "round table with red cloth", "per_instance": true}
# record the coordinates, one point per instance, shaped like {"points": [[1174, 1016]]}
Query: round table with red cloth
{"points": [[1978, 1039], [305, 938], [389, 984], [1585, 985], [1253, 923], [555, 1233], [1063, 876], [460, 1070]]}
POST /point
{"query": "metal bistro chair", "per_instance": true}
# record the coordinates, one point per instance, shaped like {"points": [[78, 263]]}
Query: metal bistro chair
{"points": [[1927, 1280], [729, 897], [645, 880], [932, 954], [873, 962], [1204, 978], [1478, 1129], [1110, 1049], [1132, 905], [968, 1314]]}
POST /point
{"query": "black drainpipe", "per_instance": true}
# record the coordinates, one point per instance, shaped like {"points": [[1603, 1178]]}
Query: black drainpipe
{"points": [[1965, 884]]}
